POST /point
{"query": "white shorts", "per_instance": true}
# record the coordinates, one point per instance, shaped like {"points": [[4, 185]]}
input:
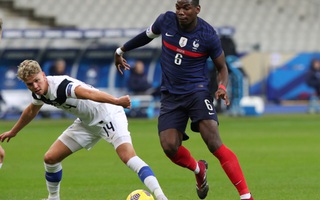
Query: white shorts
{"points": [[80, 135]]}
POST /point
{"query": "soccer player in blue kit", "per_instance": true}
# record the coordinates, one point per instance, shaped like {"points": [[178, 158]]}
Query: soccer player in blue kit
{"points": [[187, 42]]}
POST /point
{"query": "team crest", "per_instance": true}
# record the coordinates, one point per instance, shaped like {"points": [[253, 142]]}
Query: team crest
{"points": [[195, 45], [183, 42]]}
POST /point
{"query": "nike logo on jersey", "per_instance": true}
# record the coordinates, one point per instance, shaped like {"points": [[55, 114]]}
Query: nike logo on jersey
{"points": [[211, 113], [169, 35]]}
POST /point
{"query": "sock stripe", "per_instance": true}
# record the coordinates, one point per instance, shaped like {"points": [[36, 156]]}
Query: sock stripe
{"points": [[144, 172], [54, 177]]}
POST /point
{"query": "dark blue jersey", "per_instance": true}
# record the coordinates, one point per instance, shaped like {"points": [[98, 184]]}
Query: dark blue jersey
{"points": [[184, 54]]}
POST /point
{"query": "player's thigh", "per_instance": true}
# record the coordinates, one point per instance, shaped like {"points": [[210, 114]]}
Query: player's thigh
{"points": [[68, 141], [80, 134], [170, 140], [210, 134], [173, 117], [57, 152]]}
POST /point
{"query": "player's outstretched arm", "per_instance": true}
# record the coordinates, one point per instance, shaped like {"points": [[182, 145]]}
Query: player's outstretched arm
{"points": [[138, 41], [26, 117], [103, 97]]}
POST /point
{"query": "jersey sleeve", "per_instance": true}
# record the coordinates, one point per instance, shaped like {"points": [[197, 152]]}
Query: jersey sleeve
{"points": [[216, 48], [70, 93], [155, 29]]}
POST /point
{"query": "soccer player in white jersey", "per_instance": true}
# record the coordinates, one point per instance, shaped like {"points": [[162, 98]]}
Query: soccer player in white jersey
{"points": [[2, 153], [100, 116]]}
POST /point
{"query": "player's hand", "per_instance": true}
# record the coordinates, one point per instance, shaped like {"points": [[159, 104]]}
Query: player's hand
{"points": [[222, 94], [121, 63], [124, 101], [7, 135]]}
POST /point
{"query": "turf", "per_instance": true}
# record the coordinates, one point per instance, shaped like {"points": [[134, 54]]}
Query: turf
{"points": [[279, 155]]}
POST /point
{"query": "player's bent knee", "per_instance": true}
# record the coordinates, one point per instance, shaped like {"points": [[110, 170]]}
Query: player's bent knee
{"points": [[49, 158], [170, 150]]}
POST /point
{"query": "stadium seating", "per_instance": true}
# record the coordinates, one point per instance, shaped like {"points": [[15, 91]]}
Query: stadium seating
{"points": [[277, 25], [266, 26]]}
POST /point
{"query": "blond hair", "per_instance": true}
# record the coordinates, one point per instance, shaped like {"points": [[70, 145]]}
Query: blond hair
{"points": [[28, 68]]}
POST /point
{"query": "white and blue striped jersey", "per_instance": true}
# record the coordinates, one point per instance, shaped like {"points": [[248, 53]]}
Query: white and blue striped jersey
{"points": [[61, 95]]}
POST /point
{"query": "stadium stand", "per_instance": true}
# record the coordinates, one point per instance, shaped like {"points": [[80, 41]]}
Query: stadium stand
{"points": [[85, 34], [274, 25]]}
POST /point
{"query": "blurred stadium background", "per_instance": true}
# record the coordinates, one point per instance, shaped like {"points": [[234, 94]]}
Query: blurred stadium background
{"points": [[275, 41]]}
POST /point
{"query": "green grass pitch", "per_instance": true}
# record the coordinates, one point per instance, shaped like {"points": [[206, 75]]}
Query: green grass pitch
{"points": [[279, 155]]}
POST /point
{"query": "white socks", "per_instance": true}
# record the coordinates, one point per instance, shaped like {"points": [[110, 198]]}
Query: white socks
{"points": [[245, 196], [146, 176], [53, 178]]}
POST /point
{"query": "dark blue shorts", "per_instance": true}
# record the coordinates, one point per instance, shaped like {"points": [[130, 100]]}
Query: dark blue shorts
{"points": [[176, 110]]}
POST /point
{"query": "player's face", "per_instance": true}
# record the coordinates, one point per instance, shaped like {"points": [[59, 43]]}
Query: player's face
{"points": [[37, 83], [187, 13]]}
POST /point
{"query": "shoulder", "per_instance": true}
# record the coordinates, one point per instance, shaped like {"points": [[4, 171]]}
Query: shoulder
{"points": [[208, 35], [167, 17], [164, 22], [55, 81], [61, 82], [209, 38], [207, 29], [170, 14]]}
